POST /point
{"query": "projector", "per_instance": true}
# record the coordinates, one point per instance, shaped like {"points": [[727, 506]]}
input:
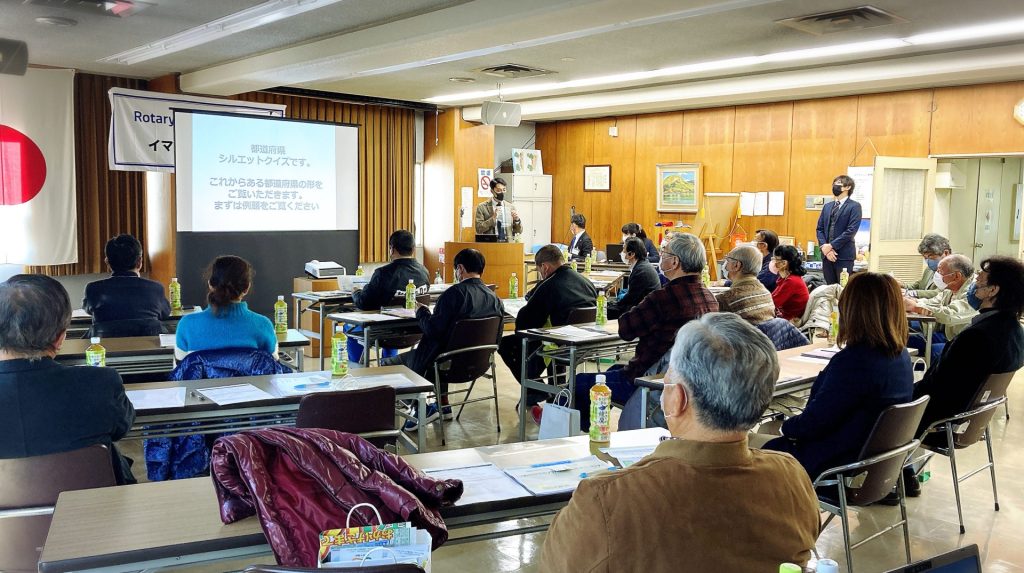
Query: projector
{"points": [[322, 269], [501, 113]]}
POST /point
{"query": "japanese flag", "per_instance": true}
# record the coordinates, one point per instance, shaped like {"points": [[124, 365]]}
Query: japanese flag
{"points": [[37, 168]]}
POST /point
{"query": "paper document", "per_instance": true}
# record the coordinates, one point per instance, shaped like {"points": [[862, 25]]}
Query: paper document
{"points": [[166, 341], [576, 332], [823, 353], [159, 398], [372, 381], [810, 359], [234, 394], [399, 312], [776, 202], [556, 477], [513, 306], [481, 483], [302, 385], [326, 293], [761, 203], [79, 313], [438, 288], [747, 204], [630, 456], [360, 317]]}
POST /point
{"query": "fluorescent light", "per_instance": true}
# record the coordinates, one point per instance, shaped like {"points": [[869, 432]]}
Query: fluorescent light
{"points": [[968, 33], [259, 15], [953, 35]]}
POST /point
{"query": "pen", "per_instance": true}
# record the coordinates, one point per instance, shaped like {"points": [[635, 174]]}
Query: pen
{"points": [[584, 475]]}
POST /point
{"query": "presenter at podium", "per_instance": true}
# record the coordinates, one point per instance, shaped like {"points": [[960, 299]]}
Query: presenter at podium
{"points": [[498, 217]]}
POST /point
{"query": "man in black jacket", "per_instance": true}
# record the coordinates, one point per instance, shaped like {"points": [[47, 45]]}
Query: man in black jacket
{"points": [[47, 408], [469, 297], [580, 246], [993, 344], [642, 281], [388, 282], [126, 304], [548, 304]]}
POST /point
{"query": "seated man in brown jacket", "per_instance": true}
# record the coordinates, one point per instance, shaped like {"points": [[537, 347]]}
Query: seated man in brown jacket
{"points": [[703, 501]]}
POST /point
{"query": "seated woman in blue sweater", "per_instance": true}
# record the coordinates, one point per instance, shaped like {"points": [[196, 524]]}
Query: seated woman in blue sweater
{"points": [[871, 373], [227, 322]]}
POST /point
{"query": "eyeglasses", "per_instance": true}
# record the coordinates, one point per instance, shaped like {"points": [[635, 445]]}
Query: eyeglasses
{"points": [[667, 254]]}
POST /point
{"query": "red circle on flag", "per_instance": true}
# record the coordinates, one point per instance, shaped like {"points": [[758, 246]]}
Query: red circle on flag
{"points": [[22, 167]]}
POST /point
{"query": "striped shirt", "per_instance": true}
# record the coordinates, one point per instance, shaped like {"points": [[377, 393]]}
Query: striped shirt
{"points": [[749, 299]]}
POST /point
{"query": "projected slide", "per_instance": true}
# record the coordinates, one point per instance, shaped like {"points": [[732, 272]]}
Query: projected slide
{"points": [[239, 173]]}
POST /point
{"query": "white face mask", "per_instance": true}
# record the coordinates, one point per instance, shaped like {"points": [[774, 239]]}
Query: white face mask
{"points": [[624, 258], [624, 237], [939, 281]]}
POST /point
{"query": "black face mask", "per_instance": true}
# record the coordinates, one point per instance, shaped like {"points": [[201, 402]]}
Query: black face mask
{"points": [[499, 197], [837, 189]]}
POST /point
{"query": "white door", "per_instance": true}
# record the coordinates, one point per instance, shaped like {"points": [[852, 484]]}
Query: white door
{"points": [[902, 211]]}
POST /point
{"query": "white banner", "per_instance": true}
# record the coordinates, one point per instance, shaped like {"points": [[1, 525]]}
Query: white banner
{"points": [[142, 125], [37, 168]]}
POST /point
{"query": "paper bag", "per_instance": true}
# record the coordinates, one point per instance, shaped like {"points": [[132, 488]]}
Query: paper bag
{"points": [[559, 421]]}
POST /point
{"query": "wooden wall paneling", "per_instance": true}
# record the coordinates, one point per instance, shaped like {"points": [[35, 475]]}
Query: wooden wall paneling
{"points": [[761, 156], [575, 149], [824, 141], [438, 181], [659, 139], [474, 149], [898, 124], [977, 119], [547, 143], [709, 138], [609, 210]]}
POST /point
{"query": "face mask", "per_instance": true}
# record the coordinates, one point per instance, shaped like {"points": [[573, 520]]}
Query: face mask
{"points": [[939, 281], [663, 263], [933, 264], [622, 256], [499, 197], [772, 267], [972, 298], [624, 237], [458, 275], [837, 189]]}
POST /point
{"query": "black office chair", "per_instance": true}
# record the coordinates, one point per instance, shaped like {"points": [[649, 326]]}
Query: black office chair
{"points": [[878, 468], [468, 356], [968, 428], [29, 493], [406, 340], [369, 412], [582, 315]]}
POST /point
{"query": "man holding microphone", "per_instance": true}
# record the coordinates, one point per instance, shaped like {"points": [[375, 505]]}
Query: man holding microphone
{"points": [[497, 216]]}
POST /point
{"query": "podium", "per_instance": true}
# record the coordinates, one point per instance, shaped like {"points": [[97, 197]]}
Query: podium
{"points": [[501, 260]]}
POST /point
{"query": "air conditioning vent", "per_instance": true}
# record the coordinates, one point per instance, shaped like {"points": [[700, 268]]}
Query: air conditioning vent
{"points": [[512, 71], [860, 18]]}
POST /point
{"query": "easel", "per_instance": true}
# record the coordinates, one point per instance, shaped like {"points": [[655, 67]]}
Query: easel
{"points": [[710, 225]]}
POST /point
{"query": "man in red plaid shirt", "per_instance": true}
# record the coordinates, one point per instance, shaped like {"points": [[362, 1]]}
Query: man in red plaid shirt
{"points": [[655, 321]]}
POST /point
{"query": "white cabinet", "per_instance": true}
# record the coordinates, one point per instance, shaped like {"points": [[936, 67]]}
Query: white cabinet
{"points": [[531, 195]]}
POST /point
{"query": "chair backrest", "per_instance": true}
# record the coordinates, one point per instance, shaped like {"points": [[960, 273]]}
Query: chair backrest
{"points": [[896, 427], [125, 328], [353, 411], [582, 315], [468, 365], [390, 568], [970, 429], [36, 482]]}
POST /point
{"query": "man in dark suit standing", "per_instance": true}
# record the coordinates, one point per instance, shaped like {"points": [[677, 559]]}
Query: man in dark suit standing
{"points": [[45, 407], [548, 304], [838, 223], [125, 304], [580, 246]]}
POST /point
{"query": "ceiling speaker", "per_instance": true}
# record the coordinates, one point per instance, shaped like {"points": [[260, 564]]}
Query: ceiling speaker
{"points": [[13, 57], [501, 113]]}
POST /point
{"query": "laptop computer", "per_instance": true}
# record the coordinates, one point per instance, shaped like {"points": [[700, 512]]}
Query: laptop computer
{"points": [[614, 252], [963, 560]]}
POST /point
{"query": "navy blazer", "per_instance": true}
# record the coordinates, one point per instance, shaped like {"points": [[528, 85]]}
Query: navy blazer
{"points": [[583, 247], [125, 296], [844, 230], [846, 400]]}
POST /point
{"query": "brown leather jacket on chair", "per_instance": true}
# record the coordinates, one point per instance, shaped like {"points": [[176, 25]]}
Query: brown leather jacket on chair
{"points": [[304, 481]]}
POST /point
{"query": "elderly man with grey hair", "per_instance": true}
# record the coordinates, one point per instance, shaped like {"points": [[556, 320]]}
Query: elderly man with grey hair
{"points": [[933, 248], [703, 501], [654, 322], [46, 407], [746, 297], [949, 306]]}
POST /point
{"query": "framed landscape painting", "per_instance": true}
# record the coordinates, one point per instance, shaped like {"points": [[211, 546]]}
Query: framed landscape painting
{"points": [[679, 187]]}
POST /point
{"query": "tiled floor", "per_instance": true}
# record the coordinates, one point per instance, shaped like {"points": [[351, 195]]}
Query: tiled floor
{"points": [[933, 519]]}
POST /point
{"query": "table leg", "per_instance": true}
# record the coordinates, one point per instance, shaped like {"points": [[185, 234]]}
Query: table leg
{"points": [[571, 381], [366, 346], [421, 431], [929, 331], [522, 394], [323, 332], [644, 393]]}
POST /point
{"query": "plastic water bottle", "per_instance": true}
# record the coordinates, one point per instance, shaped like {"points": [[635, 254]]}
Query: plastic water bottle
{"points": [[600, 411], [410, 295], [95, 354], [437, 278], [572, 265], [602, 309], [833, 326], [339, 354], [705, 276], [588, 263], [790, 568], [513, 286], [175, 290], [844, 277], [827, 566], [280, 315], [359, 271]]}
